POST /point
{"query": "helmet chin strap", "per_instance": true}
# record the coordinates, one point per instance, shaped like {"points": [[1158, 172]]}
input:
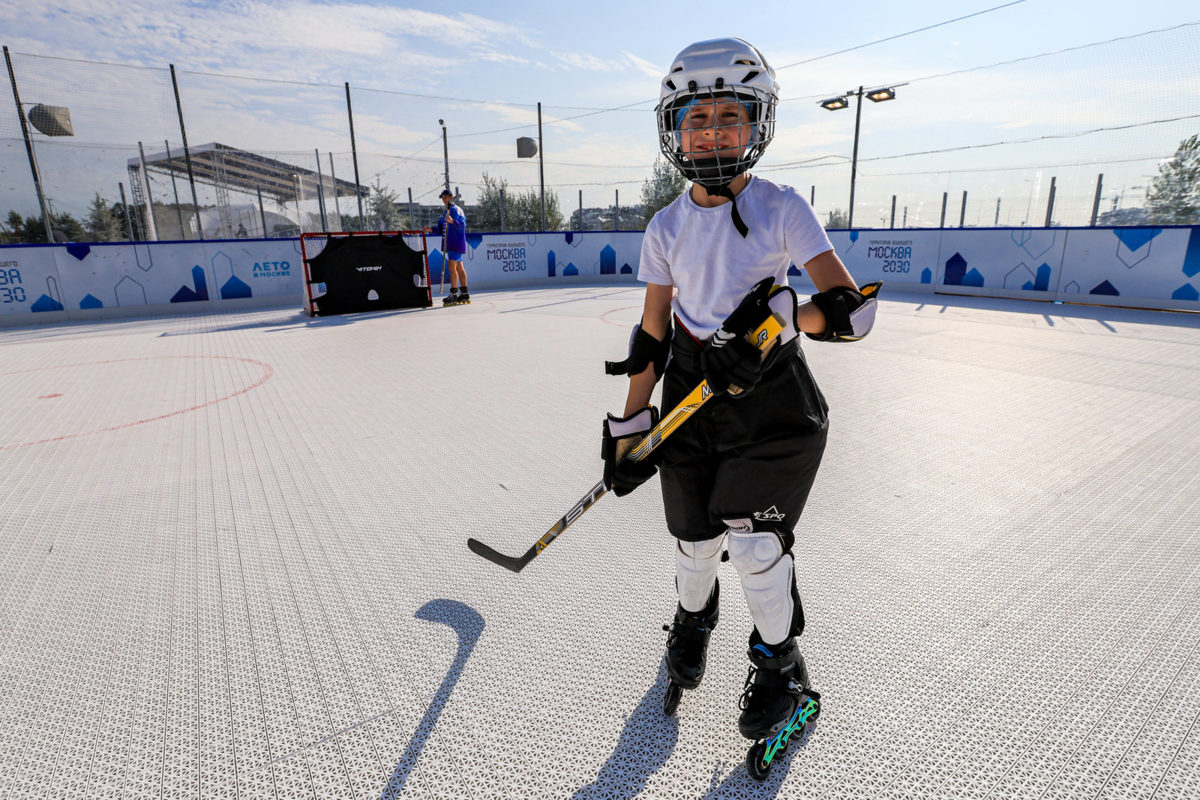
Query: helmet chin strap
{"points": [[724, 191]]}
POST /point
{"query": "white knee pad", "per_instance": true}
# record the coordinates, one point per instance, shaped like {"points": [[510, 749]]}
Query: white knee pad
{"points": [[766, 573], [696, 570]]}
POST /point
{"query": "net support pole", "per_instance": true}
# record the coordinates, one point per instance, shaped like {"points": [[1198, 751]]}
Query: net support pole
{"points": [[174, 186], [1096, 200], [262, 214], [1050, 202], [581, 209], [336, 205], [354, 157], [412, 221], [33, 165], [125, 208], [187, 154], [321, 192], [541, 166], [945, 201], [502, 209], [151, 223], [962, 214]]}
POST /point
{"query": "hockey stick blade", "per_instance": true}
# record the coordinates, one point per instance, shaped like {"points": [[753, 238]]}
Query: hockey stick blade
{"points": [[517, 564], [508, 562], [763, 337]]}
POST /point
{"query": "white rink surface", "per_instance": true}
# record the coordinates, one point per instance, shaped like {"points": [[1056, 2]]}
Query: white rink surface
{"points": [[233, 561]]}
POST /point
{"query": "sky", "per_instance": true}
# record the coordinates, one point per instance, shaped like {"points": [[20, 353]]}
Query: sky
{"points": [[1106, 87]]}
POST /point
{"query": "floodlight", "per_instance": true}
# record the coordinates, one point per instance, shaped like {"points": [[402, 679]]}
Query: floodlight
{"points": [[51, 120], [880, 95], [835, 103]]}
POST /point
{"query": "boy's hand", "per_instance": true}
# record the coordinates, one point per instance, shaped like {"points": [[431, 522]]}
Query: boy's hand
{"points": [[731, 364], [623, 475], [730, 361]]}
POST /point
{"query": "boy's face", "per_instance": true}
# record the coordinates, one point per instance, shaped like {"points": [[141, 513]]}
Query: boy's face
{"points": [[715, 128]]}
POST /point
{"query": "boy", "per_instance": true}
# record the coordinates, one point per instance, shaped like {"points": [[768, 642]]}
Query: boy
{"points": [[454, 225], [738, 473]]}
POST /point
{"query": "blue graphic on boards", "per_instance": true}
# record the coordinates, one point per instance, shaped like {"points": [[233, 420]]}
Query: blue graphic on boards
{"points": [[47, 302], [90, 301], [188, 294], [927, 275], [608, 260], [626, 269], [551, 263], [1040, 280], [570, 269], [235, 287], [1191, 258], [958, 275], [1027, 240], [80, 251], [1136, 238], [1105, 288]]}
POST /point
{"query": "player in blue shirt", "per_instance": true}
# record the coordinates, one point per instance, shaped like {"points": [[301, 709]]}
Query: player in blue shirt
{"points": [[453, 225]]}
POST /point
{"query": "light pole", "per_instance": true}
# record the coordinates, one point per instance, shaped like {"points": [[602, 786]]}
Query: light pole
{"points": [[445, 153], [878, 95]]}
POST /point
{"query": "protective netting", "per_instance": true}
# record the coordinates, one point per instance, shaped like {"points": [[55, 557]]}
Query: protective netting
{"points": [[1115, 108]]}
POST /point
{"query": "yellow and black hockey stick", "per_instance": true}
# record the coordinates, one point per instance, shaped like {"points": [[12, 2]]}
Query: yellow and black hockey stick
{"points": [[763, 336]]}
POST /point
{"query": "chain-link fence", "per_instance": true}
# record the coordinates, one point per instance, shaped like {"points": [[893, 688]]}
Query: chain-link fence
{"points": [[275, 157]]}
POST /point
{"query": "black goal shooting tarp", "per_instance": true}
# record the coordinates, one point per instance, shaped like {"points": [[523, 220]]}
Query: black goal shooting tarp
{"points": [[369, 273]]}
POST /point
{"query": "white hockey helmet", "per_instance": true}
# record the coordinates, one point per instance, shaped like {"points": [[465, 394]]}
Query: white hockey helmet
{"points": [[712, 70]]}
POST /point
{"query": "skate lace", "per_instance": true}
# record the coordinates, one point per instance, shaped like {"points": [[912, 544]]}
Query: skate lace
{"points": [[749, 686], [747, 689]]}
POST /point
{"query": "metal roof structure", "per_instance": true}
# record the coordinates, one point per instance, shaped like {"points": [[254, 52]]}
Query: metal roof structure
{"points": [[230, 168]]}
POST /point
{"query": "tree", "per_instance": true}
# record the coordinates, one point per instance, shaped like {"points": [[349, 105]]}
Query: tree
{"points": [[661, 188], [485, 215], [838, 218], [66, 228], [522, 210], [1174, 197], [381, 207], [102, 223], [12, 229]]}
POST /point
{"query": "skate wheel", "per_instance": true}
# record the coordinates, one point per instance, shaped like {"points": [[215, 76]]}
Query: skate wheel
{"points": [[671, 698], [755, 765]]}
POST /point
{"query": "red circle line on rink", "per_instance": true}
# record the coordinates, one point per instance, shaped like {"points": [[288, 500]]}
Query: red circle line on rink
{"points": [[268, 372], [604, 316]]}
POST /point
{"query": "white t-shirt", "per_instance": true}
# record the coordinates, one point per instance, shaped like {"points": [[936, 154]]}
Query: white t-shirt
{"points": [[698, 250]]}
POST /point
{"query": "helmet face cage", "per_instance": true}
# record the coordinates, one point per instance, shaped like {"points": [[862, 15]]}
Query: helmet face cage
{"points": [[751, 136]]}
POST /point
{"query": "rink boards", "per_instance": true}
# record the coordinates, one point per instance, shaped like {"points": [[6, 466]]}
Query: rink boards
{"points": [[1135, 267]]}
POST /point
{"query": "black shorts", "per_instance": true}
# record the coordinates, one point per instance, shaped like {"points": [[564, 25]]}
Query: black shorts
{"points": [[754, 457]]}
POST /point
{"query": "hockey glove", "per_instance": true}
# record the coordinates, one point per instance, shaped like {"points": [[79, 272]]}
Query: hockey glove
{"points": [[730, 363], [644, 350], [849, 313], [623, 475]]}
